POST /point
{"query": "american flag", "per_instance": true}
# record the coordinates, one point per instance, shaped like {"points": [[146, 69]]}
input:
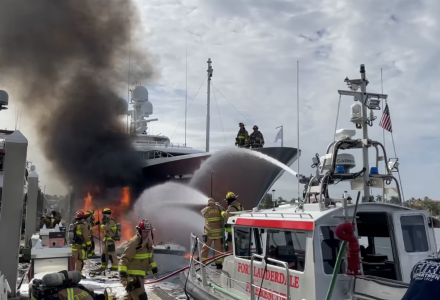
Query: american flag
{"points": [[385, 122]]}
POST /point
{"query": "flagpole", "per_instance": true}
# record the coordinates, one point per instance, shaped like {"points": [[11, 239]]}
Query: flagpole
{"points": [[282, 136], [281, 133]]}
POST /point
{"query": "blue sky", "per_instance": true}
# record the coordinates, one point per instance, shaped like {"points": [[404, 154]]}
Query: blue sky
{"points": [[255, 46]]}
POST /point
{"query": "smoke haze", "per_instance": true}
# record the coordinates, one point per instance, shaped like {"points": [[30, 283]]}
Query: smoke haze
{"points": [[174, 211], [69, 61]]}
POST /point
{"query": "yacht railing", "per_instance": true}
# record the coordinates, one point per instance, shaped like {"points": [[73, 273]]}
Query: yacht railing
{"points": [[155, 154], [162, 144]]}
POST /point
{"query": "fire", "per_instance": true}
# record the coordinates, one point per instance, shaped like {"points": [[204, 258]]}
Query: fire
{"points": [[188, 256], [119, 214]]}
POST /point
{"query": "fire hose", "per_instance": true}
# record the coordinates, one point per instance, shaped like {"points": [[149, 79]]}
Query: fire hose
{"points": [[208, 260], [178, 271]]}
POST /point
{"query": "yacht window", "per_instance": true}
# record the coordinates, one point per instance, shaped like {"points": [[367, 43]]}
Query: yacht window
{"points": [[246, 240], [288, 246], [330, 249], [414, 233]]}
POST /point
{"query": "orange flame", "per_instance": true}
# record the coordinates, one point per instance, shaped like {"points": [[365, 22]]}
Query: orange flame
{"points": [[119, 213], [188, 256]]}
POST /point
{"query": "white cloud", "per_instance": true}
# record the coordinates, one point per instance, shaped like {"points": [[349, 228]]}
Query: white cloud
{"points": [[255, 46]]}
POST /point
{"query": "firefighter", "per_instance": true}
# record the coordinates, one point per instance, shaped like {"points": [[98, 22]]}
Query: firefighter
{"points": [[64, 285], [90, 217], [136, 260], [256, 139], [233, 205], [46, 221], [81, 242], [56, 218], [109, 248], [242, 139], [213, 231]]}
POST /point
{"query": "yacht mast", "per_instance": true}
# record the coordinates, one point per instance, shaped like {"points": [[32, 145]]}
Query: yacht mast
{"points": [[186, 89], [208, 112], [365, 135]]}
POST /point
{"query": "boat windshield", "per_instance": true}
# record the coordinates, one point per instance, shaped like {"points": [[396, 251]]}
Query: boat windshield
{"points": [[247, 242], [287, 246]]}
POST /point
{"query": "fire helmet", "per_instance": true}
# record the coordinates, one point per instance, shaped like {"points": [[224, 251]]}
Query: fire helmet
{"points": [[255, 127], [90, 212], [231, 196], [144, 225], [106, 211], [240, 124], [79, 214]]}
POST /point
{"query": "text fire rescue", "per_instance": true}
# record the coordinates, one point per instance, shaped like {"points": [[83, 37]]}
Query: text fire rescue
{"points": [[272, 276]]}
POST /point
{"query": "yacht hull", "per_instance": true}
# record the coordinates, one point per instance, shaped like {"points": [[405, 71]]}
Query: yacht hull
{"points": [[237, 170]]}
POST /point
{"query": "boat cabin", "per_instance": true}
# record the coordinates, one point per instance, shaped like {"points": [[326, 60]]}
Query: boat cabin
{"points": [[392, 240]]}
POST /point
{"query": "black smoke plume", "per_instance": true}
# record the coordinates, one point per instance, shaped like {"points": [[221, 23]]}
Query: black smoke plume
{"points": [[69, 60]]}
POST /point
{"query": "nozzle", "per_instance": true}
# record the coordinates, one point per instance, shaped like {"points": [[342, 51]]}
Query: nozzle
{"points": [[362, 68]]}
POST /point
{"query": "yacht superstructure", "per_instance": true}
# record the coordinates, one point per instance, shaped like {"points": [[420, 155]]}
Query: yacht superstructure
{"points": [[166, 161]]}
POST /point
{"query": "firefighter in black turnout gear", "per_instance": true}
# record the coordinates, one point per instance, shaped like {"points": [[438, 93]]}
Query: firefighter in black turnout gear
{"points": [[242, 139], [256, 139]]}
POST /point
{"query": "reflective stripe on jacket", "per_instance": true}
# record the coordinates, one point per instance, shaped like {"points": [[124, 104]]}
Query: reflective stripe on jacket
{"points": [[109, 230], [82, 237], [213, 222], [242, 136], [234, 206], [256, 138], [137, 259], [74, 293]]}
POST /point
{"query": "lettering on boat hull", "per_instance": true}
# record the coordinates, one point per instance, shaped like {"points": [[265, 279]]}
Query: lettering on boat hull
{"points": [[272, 276]]}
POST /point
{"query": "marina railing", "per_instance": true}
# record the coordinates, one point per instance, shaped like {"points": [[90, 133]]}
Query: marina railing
{"points": [[278, 262]]}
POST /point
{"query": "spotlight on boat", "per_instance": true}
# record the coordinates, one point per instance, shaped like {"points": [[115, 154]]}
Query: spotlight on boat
{"points": [[373, 103]]}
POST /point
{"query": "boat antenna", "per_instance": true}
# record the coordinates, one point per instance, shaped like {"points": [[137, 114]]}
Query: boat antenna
{"points": [[365, 134], [186, 87], [208, 116], [297, 117]]}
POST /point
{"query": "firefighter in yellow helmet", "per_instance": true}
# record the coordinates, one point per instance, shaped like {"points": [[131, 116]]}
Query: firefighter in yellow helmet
{"points": [[136, 260], [213, 231], [90, 218], [233, 205], [81, 242], [242, 139], [109, 248]]}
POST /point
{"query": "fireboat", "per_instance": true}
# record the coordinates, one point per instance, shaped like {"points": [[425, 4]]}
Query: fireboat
{"points": [[324, 247]]}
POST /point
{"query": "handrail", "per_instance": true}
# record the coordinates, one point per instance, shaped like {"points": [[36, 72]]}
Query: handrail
{"points": [[284, 264], [270, 214], [162, 144]]}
